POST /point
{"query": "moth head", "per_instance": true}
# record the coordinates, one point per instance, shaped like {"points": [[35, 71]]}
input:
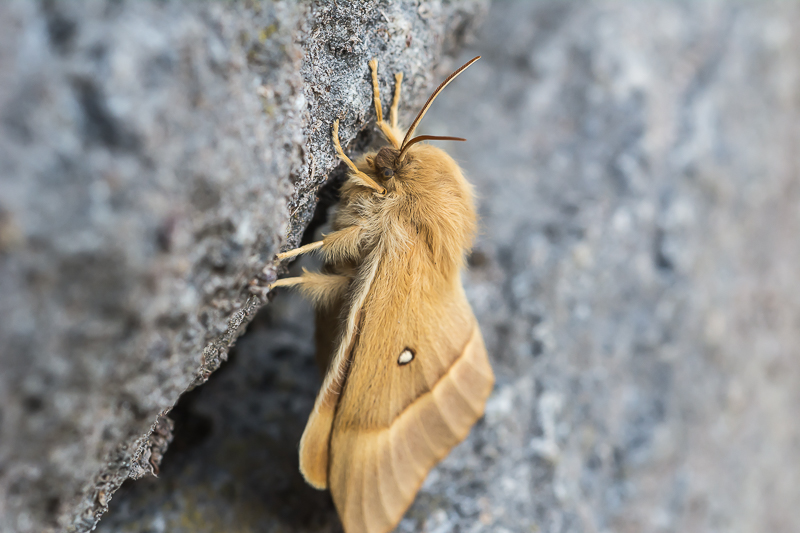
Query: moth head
{"points": [[386, 163], [391, 167]]}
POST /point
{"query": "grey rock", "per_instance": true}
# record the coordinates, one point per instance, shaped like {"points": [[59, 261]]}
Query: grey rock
{"points": [[635, 278], [153, 158]]}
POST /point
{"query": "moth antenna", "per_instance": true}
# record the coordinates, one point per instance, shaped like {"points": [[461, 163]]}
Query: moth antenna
{"points": [[366, 179], [427, 105], [419, 138]]}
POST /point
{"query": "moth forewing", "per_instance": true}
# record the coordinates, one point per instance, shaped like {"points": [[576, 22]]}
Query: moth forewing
{"points": [[407, 374]]}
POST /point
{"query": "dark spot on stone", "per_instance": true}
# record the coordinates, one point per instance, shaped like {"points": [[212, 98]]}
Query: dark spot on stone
{"points": [[171, 320], [570, 209], [204, 318], [52, 505], [33, 404], [107, 434], [619, 463], [98, 52], [537, 348], [553, 233], [661, 258], [99, 125], [60, 29], [164, 233]]}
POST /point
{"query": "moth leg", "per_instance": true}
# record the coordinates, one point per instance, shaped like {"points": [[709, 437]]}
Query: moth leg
{"points": [[287, 282], [299, 251], [343, 244], [398, 82], [321, 289], [386, 128]]}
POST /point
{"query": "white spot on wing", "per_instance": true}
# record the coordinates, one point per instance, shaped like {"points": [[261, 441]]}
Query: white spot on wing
{"points": [[406, 356]]}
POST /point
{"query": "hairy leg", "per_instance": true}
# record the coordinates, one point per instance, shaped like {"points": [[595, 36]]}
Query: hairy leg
{"points": [[299, 251], [321, 289], [342, 244]]}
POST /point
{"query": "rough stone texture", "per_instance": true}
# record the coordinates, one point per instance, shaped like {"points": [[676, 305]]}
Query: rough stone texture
{"points": [[636, 281], [147, 154]]}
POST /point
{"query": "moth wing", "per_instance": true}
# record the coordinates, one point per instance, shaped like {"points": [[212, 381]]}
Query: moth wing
{"points": [[335, 342], [394, 421], [316, 436]]}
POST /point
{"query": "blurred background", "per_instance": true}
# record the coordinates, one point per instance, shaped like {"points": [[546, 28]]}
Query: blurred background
{"points": [[637, 167]]}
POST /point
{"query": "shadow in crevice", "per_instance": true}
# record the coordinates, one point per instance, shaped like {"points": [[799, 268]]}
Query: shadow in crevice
{"points": [[233, 464]]}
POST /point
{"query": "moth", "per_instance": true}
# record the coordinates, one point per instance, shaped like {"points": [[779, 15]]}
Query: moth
{"points": [[406, 369]]}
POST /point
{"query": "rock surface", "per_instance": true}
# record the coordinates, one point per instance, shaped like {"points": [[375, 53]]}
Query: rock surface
{"points": [[635, 278], [152, 157]]}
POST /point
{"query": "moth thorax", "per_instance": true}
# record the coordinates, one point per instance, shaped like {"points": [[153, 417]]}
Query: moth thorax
{"points": [[386, 158], [405, 357]]}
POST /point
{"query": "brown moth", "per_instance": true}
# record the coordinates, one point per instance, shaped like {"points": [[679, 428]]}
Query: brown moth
{"points": [[406, 370]]}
